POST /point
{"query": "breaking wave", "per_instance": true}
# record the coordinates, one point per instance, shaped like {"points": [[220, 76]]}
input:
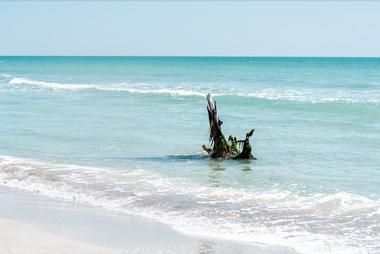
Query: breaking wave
{"points": [[316, 223], [123, 87], [296, 95]]}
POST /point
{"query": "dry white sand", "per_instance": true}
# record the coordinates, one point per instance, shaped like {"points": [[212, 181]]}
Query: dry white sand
{"points": [[21, 238]]}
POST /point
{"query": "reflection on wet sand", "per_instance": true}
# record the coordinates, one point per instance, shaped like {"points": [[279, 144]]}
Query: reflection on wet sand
{"points": [[206, 247]]}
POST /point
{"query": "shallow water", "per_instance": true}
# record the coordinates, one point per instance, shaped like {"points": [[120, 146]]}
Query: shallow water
{"points": [[125, 134]]}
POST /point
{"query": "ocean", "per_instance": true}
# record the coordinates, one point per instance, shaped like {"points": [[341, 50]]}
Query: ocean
{"points": [[125, 133]]}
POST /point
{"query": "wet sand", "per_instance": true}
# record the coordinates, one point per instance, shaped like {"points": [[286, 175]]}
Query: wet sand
{"points": [[31, 223]]}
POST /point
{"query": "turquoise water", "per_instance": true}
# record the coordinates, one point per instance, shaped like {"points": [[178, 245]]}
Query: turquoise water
{"points": [[125, 133]]}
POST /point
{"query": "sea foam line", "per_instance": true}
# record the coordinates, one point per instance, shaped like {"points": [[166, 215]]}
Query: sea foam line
{"points": [[91, 185], [174, 91], [296, 95]]}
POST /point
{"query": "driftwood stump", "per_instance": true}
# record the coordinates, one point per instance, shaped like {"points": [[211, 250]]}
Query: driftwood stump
{"points": [[220, 148]]}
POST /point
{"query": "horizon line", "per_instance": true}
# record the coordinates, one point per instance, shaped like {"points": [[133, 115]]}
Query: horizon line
{"points": [[197, 56]]}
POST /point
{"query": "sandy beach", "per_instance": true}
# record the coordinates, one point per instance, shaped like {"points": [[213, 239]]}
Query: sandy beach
{"points": [[19, 238], [31, 223], [189, 127]]}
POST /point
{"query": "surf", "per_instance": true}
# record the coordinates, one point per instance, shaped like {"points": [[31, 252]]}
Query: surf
{"points": [[325, 221], [313, 96]]}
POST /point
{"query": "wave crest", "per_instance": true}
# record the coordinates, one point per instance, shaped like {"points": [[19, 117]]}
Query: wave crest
{"points": [[175, 91], [296, 95]]}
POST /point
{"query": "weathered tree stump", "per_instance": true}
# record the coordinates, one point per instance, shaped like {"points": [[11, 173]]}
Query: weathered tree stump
{"points": [[220, 148]]}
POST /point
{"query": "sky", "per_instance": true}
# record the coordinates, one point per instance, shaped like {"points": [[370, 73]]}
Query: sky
{"points": [[190, 28]]}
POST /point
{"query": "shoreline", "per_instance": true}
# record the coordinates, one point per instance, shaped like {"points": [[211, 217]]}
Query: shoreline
{"points": [[39, 224]]}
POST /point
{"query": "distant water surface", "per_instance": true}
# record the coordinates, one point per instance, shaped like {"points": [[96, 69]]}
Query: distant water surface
{"points": [[125, 133]]}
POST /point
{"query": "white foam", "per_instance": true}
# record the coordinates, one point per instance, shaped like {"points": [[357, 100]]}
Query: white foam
{"points": [[297, 95], [318, 223], [316, 96], [173, 91], [50, 85]]}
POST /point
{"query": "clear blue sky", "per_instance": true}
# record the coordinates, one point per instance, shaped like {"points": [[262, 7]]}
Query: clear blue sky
{"points": [[274, 28]]}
